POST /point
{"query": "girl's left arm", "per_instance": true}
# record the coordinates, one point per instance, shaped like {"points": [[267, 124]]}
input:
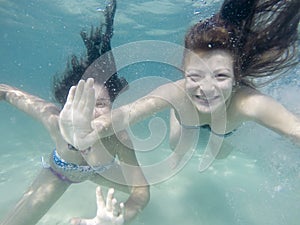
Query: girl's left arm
{"points": [[271, 114], [140, 190]]}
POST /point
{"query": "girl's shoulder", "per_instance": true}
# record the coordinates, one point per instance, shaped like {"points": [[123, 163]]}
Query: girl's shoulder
{"points": [[244, 92], [246, 101]]}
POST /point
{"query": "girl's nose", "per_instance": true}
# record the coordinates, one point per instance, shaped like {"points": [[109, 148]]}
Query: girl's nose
{"points": [[207, 86], [96, 113]]}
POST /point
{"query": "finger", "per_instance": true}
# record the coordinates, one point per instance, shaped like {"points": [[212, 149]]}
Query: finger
{"points": [[122, 207], [109, 199], [120, 218], [115, 207], [99, 198], [90, 82], [86, 91], [78, 93], [90, 103], [70, 98]]}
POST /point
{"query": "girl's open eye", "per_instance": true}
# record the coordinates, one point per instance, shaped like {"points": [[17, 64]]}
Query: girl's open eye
{"points": [[222, 76]]}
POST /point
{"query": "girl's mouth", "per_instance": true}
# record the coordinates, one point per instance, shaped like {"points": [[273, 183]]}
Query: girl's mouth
{"points": [[203, 98]]}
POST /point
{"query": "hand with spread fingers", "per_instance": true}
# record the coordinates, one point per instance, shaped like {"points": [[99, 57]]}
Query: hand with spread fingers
{"points": [[108, 213], [77, 114]]}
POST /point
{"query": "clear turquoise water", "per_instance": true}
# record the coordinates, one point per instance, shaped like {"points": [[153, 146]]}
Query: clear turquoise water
{"points": [[258, 183]]}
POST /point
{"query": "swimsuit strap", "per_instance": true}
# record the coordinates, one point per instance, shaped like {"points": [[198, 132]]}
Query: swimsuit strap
{"points": [[206, 127]]}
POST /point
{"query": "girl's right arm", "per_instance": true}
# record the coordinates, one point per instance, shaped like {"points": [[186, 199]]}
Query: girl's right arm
{"points": [[34, 106]]}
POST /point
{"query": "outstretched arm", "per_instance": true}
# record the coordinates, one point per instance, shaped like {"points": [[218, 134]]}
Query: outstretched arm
{"points": [[133, 175], [119, 119], [34, 106], [270, 113]]}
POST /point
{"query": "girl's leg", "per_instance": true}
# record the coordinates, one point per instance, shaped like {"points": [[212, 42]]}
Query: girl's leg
{"points": [[37, 200]]}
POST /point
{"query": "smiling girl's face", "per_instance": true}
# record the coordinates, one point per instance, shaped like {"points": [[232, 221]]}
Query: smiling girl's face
{"points": [[209, 78]]}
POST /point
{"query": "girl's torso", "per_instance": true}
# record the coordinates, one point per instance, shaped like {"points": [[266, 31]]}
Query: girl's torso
{"points": [[69, 164]]}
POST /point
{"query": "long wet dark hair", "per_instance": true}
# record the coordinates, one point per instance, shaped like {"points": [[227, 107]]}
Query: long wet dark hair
{"points": [[97, 44], [261, 34]]}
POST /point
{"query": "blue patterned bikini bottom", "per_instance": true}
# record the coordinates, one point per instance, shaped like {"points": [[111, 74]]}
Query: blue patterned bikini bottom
{"points": [[72, 172]]}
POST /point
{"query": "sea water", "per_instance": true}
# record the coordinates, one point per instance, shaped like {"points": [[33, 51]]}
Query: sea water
{"points": [[257, 183]]}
